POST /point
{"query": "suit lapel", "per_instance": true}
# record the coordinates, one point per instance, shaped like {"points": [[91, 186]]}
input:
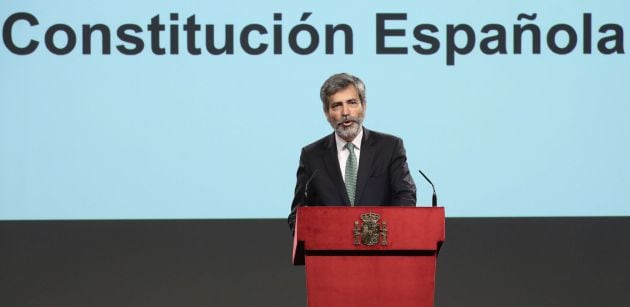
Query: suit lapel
{"points": [[331, 160], [365, 163]]}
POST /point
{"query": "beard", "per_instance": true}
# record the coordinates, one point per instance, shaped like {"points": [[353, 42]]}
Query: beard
{"points": [[350, 132]]}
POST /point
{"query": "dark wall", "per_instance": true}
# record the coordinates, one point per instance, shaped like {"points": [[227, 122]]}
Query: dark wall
{"points": [[484, 262]]}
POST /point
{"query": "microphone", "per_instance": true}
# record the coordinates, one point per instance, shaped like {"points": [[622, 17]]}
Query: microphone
{"points": [[434, 198], [306, 186]]}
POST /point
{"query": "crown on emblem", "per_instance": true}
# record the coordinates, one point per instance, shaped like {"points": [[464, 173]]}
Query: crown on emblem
{"points": [[370, 217]]}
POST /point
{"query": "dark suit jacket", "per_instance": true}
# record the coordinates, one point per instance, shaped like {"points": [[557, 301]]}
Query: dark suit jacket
{"points": [[383, 177]]}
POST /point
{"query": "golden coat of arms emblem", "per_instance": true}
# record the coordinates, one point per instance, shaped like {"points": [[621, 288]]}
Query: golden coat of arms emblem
{"points": [[370, 232]]}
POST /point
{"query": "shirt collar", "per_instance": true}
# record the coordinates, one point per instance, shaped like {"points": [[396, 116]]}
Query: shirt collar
{"points": [[341, 143]]}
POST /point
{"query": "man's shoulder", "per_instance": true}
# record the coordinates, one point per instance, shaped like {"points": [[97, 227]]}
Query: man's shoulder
{"points": [[373, 137], [320, 144]]}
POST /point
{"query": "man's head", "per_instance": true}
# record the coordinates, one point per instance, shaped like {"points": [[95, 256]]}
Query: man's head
{"points": [[343, 98]]}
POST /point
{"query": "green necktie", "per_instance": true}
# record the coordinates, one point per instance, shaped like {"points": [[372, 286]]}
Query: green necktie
{"points": [[351, 173]]}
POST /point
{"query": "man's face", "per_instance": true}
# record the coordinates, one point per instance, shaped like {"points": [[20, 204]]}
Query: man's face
{"points": [[346, 112]]}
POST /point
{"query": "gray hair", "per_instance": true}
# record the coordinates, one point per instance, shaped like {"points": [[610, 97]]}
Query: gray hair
{"points": [[337, 83]]}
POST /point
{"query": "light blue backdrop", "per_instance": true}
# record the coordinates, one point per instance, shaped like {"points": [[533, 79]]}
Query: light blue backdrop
{"points": [[182, 136]]}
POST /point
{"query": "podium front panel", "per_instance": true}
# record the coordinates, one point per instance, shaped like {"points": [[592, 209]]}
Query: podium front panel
{"points": [[367, 281]]}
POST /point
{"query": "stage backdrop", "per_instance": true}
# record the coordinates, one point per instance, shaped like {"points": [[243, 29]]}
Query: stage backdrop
{"points": [[197, 109]]}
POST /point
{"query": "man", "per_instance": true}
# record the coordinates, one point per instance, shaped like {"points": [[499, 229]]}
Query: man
{"points": [[353, 165]]}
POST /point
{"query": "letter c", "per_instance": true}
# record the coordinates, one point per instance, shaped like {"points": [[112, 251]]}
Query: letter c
{"points": [[7, 35]]}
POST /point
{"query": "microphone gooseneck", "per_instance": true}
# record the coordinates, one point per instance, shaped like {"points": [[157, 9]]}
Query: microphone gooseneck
{"points": [[434, 198], [306, 187]]}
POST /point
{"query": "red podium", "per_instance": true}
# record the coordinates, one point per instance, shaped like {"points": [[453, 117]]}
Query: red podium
{"points": [[369, 256]]}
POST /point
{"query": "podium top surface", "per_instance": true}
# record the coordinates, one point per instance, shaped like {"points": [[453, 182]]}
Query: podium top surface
{"points": [[331, 228]]}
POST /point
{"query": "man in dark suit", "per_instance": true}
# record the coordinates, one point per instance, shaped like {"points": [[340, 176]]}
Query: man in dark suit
{"points": [[353, 165]]}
